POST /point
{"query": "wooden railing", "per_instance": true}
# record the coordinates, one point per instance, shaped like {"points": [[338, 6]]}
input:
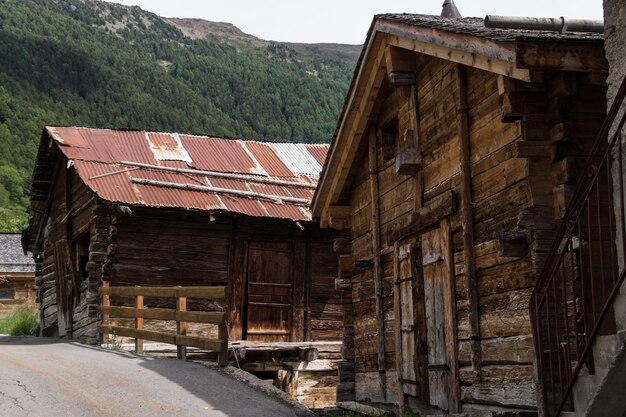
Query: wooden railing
{"points": [[571, 303], [180, 315]]}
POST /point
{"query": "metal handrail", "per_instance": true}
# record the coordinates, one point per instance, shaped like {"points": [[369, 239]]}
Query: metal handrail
{"points": [[581, 277]]}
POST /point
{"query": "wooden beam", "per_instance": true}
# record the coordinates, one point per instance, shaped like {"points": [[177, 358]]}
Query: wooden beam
{"points": [[181, 327], [139, 323], [212, 317], [467, 217], [277, 199], [339, 217], [512, 244], [211, 293], [582, 56], [399, 60], [349, 136], [172, 339], [433, 211], [217, 174], [505, 67], [300, 279], [378, 275]]}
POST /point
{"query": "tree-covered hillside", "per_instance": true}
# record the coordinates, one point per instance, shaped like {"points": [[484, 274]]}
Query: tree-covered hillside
{"points": [[91, 63]]}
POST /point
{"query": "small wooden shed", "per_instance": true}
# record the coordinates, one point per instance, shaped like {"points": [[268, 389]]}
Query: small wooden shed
{"points": [[17, 274], [453, 160], [165, 209]]}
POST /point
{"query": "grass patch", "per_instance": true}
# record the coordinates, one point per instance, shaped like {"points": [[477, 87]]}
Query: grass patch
{"points": [[24, 320]]}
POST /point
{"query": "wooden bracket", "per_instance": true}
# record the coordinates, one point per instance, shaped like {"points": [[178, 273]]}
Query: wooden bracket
{"points": [[343, 284], [339, 217], [408, 161], [342, 246], [512, 244], [401, 78]]}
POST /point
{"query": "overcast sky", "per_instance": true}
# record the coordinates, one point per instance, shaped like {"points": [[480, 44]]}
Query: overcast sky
{"points": [[342, 21]]}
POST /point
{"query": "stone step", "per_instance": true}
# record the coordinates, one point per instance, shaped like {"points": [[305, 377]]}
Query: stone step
{"points": [[589, 390], [605, 349], [619, 305], [584, 390]]}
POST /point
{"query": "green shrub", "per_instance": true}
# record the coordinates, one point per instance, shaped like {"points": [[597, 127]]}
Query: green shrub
{"points": [[24, 320]]}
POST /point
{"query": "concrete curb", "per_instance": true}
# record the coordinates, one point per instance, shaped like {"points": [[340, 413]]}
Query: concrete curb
{"points": [[260, 385]]}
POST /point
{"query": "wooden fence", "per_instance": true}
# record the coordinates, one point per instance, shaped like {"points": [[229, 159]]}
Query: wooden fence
{"points": [[180, 315]]}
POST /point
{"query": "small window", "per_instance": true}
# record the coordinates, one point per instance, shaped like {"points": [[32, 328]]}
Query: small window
{"points": [[6, 295]]}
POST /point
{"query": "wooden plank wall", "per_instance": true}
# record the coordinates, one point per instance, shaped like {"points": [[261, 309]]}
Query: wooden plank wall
{"points": [[518, 144], [81, 204], [167, 247], [325, 318], [151, 246], [21, 285]]}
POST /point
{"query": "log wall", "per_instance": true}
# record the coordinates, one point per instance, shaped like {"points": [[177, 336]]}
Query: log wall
{"points": [[149, 246], [20, 286], [73, 212], [526, 144]]}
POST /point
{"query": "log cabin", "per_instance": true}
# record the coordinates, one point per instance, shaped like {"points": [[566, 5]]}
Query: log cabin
{"points": [[17, 274], [161, 209], [453, 160]]}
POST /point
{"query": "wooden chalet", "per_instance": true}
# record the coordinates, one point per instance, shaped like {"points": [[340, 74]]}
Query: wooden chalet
{"points": [[161, 209], [17, 274], [453, 160]]}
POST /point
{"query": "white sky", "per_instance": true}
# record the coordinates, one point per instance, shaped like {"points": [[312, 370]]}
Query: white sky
{"points": [[341, 21]]}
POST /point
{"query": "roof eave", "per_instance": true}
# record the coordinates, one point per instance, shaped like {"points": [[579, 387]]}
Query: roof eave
{"points": [[500, 57]]}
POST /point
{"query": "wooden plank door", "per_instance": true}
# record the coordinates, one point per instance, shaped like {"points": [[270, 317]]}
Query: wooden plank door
{"points": [[269, 303], [406, 352], [439, 307]]}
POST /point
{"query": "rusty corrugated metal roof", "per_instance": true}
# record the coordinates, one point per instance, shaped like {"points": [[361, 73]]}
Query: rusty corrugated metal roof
{"points": [[158, 169]]}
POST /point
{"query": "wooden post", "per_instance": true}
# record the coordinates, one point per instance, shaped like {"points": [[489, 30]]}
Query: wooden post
{"points": [[181, 328], [222, 355], [139, 324], [467, 218], [378, 279], [106, 302], [397, 314]]}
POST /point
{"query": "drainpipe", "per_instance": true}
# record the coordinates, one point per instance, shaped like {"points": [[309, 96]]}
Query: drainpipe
{"points": [[561, 24]]}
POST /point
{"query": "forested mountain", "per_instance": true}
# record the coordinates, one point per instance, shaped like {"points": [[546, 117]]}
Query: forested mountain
{"points": [[91, 63]]}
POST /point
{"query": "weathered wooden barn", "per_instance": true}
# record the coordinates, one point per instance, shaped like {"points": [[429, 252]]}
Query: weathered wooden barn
{"points": [[17, 274], [453, 160], [146, 208]]}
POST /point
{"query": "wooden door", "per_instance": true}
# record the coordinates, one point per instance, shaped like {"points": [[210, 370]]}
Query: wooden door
{"points": [[408, 325], [440, 307], [269, 302]]}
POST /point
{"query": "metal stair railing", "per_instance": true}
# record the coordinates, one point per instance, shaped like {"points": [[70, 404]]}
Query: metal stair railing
{"points": [[572, 300]]}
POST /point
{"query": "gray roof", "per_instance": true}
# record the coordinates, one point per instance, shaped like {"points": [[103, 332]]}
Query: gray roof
{"points": [[476, 26], [12, 258]]}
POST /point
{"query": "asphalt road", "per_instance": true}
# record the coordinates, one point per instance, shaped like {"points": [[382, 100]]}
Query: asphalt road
{"points": [[49, 378]]}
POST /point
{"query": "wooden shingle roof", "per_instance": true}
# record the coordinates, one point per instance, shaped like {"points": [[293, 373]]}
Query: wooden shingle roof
{"points": [[475, 26]]}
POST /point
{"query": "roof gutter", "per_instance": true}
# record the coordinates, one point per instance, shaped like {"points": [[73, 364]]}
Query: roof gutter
{"points": [[561, 24]]}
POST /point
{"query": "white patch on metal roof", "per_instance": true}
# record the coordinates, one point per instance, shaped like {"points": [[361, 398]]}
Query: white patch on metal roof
{"points": [[169, 153], [297, 158], [259, 168]]}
